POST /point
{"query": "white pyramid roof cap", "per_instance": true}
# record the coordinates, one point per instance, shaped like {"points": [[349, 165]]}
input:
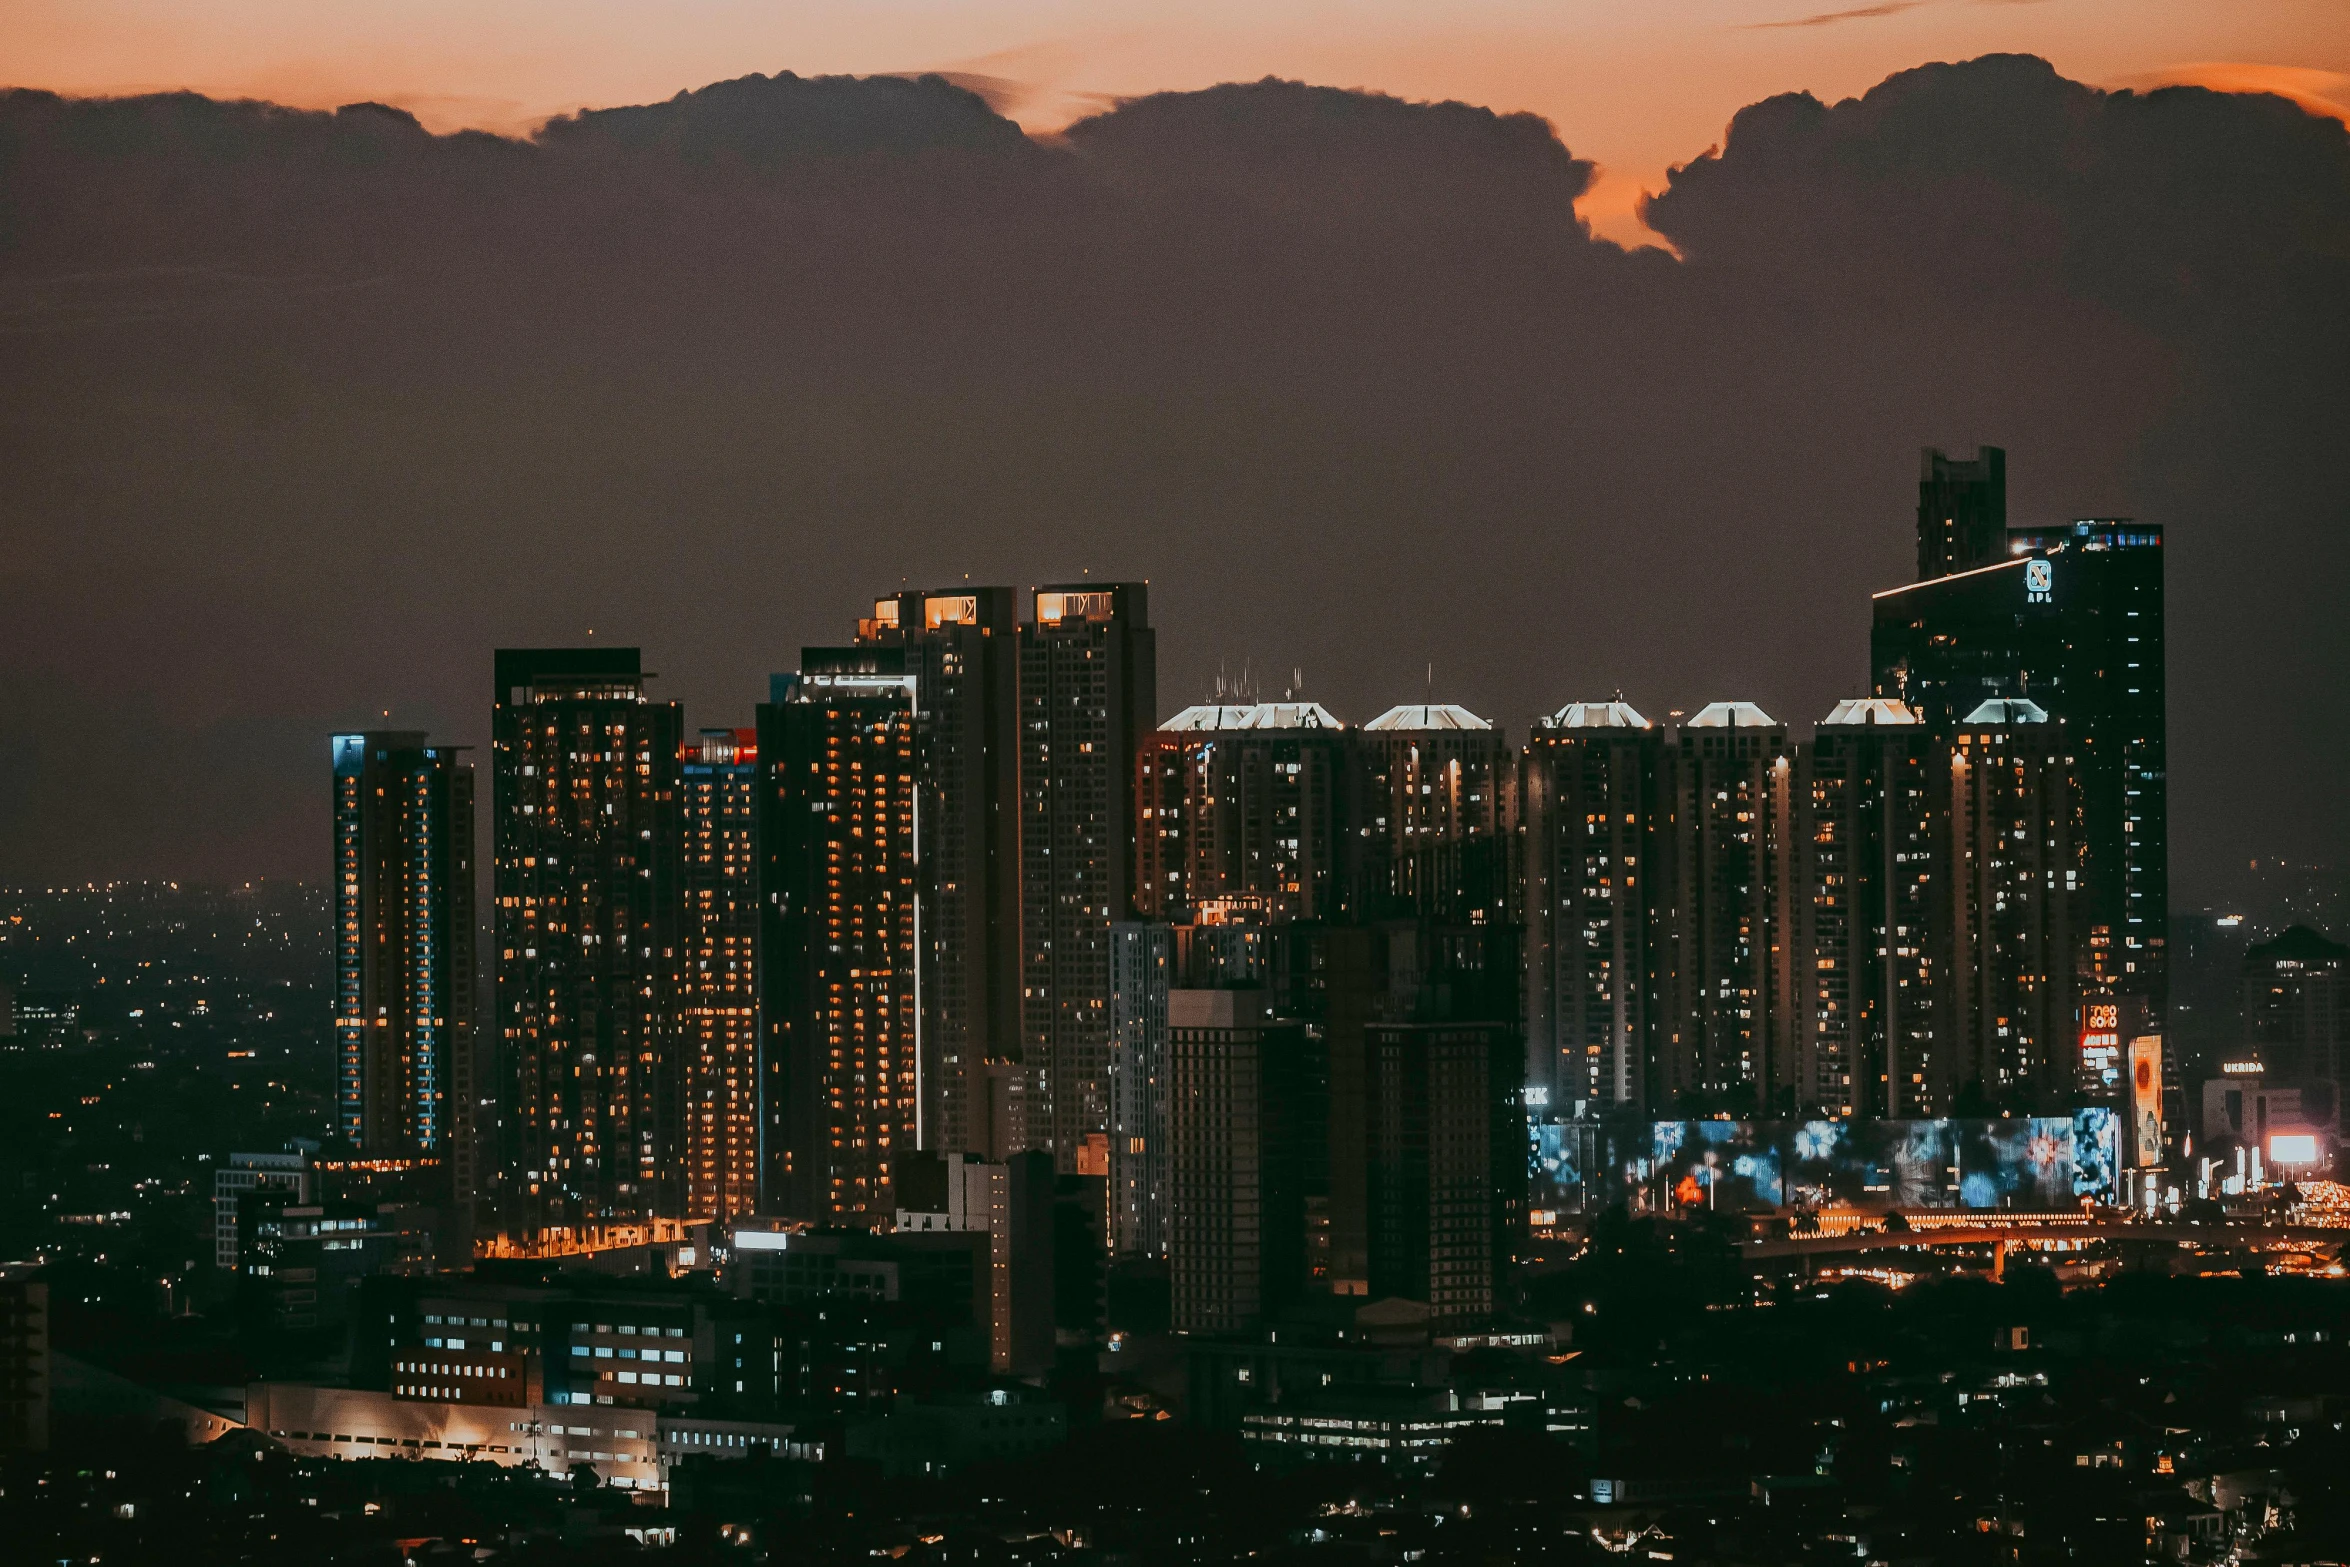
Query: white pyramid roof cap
{"points": [[1293, 715], [1731, 715], [1209, 716], [1871, 710], [1618, 714], [2008, 710], [1440, 716]]}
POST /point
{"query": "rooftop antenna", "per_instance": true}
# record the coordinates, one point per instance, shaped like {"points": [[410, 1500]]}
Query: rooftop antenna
{"points": [[1428, 693]]}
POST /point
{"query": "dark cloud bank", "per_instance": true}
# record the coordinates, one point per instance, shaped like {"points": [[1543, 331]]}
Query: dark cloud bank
{"points": [[300, 414]]}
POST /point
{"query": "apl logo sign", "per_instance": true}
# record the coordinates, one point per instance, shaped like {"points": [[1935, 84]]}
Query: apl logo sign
{"points": [[2039, 581]]}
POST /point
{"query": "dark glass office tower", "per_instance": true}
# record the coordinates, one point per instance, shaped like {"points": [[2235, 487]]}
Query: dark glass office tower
{"points": [[1088, 691], [1725, 948], [1589, 796], [1242, 1134], [1445, 1180], [1962, 512], [2296, 1010], [589, 910], [404, 951], [1143, 971], [2071, 618], [840, 932], [1435, 816], [962, 648], [719, 787], [1872, 960]]}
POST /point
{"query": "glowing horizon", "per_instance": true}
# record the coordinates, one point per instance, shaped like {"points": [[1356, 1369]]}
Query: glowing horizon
{"points": [[1637, 93]]}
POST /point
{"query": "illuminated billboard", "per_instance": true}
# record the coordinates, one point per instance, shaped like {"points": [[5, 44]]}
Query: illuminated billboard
{"points": [[2146, 1101], [2041, 1163], [1717, 1164], [2101, 1046]]}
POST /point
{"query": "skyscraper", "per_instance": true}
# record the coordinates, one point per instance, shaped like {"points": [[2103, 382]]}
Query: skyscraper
{"points": [[1872, 959], [1239, 1125], [962, 649], [589, 907], [2296, 1006], [2069, 617], [719, 1036], [1444, 1137], [1962, 512], [1436, 816], [1725, 948], [1590, 798], [2017, 862], [1142, 974], [1246, 806], [1088, 688], [1174, 774], [841, 934], [404, 950]]}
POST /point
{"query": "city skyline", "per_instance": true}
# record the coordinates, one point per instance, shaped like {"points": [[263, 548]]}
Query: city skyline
{"points": [[956, 893], [1270, 784], [1544, 467]]}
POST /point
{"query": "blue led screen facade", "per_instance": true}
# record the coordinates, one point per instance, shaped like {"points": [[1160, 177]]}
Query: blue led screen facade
{"points": [[2037, 1163]]}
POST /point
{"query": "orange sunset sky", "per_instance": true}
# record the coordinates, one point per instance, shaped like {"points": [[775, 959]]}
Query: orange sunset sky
{"points": [[1637, 85]]}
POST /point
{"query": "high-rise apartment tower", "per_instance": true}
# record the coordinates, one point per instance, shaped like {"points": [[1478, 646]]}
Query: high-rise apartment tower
{"points": [[718, 786], [588, 913], [404, 950], [1088, 688], [841, 932], [962, 650]]}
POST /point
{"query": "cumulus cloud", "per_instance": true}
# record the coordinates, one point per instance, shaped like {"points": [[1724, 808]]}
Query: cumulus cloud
{"points": [[302, 413]]}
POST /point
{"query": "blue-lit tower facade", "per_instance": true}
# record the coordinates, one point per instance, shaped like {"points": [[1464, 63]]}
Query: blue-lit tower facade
{"points": [[404, 949]]}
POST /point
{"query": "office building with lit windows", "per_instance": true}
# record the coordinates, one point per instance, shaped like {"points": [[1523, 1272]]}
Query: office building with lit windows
{"points": [[841, 936], [1725, 954], [962, 649], [1088, 690], [404, 950], [589, 905], [1435, 816], [1871, 960], [718, 994], [1589, 796], [2068, 616]]}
